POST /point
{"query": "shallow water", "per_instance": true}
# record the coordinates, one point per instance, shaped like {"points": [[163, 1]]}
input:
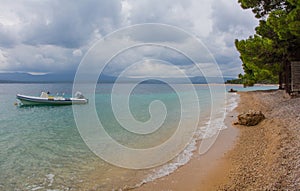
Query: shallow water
{"points": [[41, 148]]}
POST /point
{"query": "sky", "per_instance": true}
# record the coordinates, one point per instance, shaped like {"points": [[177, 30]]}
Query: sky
{"points": [[52, 36]]}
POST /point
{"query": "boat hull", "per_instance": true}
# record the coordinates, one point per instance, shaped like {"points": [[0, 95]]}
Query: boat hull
{"points": [[31, 100]]}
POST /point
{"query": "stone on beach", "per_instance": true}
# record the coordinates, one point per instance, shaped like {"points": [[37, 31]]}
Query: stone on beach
{"points": [[250, 118]]}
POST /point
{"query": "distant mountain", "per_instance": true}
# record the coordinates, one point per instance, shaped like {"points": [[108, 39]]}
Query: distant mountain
{"points": [[19, 77]]}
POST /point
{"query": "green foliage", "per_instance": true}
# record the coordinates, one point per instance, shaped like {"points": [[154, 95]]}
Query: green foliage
{"points": [[259, 64], [276, 41], [293, 21], [234, 81], [262, 8]]}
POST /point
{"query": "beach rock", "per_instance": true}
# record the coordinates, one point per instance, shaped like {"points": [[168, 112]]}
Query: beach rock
{"points": [[250, 118]]}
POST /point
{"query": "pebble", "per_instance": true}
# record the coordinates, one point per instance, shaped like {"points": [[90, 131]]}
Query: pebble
{"points": [[267, 156]]}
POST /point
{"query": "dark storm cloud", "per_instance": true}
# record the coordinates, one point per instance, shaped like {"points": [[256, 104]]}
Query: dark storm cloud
{"points": [[8, 37], [53, 35], [230, 22], [71, 24], [228, 16], [153, 33], [50, 36]]}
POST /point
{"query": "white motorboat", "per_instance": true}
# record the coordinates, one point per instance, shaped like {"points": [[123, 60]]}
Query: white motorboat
{"points": [[46, 99]]}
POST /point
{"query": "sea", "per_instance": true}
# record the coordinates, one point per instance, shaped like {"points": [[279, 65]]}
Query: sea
{"points": [[42, 148]]}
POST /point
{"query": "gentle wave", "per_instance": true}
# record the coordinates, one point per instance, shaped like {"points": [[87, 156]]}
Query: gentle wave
{"points": [[203, 132], [48, 181], [213, 126]]}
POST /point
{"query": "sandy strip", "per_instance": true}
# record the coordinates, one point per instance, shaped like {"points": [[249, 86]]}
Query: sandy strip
{"points": [[263, 157], [203, 172]]}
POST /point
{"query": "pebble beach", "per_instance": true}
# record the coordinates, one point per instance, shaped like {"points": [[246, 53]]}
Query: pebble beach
{"points": [[261, 157], [267, 156]]}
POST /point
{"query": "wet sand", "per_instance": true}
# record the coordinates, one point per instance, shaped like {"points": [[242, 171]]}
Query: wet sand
{"points": [[202, 172], [261, 157]]}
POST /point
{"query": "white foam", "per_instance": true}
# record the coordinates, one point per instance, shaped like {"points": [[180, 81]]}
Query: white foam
{"points": [[203, 132], [50, 178], [169, 168], [213, 126], [232, 101]]}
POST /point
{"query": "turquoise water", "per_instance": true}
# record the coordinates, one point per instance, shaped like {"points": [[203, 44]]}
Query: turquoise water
{"points": [[37, 141], [253, 88], [41, 148]]}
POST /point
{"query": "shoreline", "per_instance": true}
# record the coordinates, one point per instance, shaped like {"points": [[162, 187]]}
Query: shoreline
{"points": [[261, 157], [197, 173]]}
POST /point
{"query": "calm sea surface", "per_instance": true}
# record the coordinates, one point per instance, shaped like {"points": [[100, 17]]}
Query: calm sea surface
{"points": [[41, 148]]}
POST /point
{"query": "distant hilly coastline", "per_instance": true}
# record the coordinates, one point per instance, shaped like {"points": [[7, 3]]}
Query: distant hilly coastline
{"points": [[19, 77]]}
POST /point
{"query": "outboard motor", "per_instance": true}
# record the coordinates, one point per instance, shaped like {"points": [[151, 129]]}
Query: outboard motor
{"points": [[79, 95]]}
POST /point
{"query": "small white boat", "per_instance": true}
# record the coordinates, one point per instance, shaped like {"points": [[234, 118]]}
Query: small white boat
{"points": [[45, 99]]}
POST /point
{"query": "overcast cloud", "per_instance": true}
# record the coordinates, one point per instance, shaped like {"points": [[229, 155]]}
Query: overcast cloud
{"points": [[53, 36]]}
